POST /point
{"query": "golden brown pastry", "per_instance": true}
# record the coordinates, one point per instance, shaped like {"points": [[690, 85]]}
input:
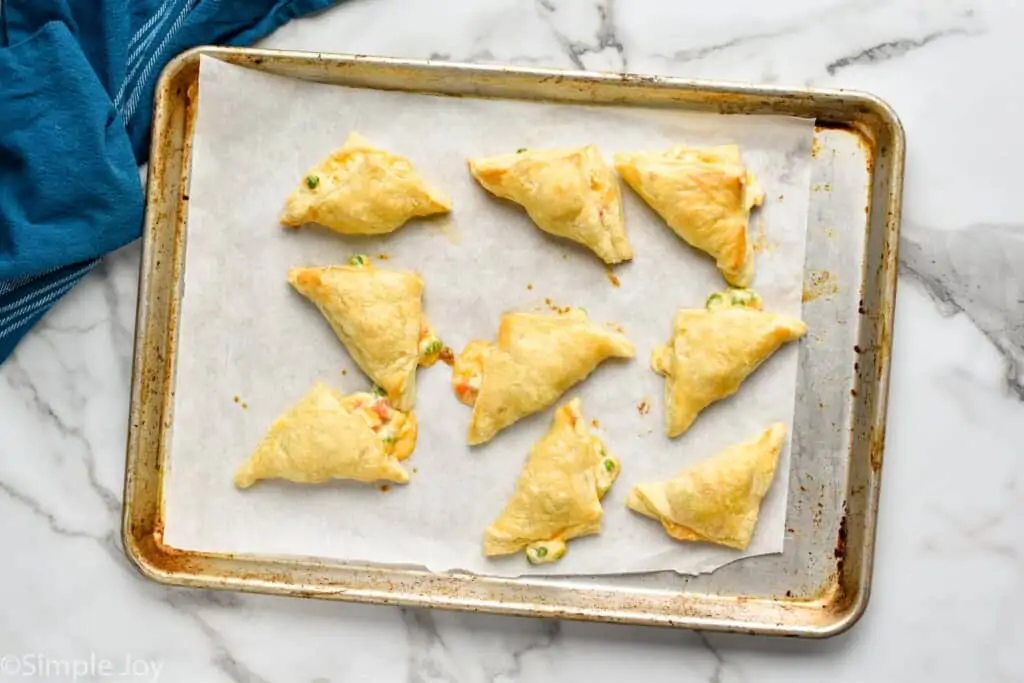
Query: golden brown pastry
{"points": [[712, 351], [558, 494], [717, 500], [536, 359], [378, 315], [705, 196], [329, 436], [362, 190], [571, 193]]}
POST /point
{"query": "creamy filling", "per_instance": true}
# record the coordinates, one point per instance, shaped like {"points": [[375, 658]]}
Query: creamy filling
{"points": [[734, 298], [543, 552], [384, 420], [387, 433], [467, 388], [606, 471], [468, 372]]}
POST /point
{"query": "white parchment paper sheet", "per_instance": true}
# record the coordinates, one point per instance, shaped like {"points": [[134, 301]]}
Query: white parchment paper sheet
{"points": [[245, 333]]}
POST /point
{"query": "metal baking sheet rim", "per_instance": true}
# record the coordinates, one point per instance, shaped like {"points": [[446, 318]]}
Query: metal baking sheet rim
{"points": [[833, 609]]}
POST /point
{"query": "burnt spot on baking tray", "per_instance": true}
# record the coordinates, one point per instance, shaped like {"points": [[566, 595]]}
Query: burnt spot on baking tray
{"points": [[840, 549]]}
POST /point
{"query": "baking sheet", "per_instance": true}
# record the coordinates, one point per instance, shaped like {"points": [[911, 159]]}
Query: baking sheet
{"points": [[245, 334]]}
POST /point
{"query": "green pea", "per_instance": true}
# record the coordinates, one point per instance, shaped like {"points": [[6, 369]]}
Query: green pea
{"points": [[609, 465], [312, 181], [358, 260], [538, 554], [377, 391]]}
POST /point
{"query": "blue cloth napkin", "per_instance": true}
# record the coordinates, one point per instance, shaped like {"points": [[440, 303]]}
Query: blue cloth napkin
{"points": [[76, 90]]}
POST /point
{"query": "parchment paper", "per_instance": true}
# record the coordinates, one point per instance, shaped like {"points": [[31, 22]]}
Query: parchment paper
{"points": [[244, 333]]}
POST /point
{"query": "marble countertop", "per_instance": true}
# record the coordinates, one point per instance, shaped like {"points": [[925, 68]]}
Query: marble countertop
{"points": [[948, 594]]}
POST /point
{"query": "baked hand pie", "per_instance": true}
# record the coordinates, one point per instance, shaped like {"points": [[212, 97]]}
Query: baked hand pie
{"points": [[536, 359], [705, 196], [571, 193], [362, 190], [717, 500], [329, 436], [713, 350], [558, 494], [377, 314]]}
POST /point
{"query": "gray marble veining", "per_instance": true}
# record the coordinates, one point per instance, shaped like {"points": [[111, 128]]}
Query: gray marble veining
{"points": [[890, 49], [977, 270], [604, 37]]}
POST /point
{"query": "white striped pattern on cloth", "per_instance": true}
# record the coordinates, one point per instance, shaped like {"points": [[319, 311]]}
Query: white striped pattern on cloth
{"points": [[150, 31], [139, 87], [7, 286], [34, 294], [145, 27], [20, 310]]}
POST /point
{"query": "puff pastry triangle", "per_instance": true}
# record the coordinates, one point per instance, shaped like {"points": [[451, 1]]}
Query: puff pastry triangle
{"points": [[362, 190], [717, 500], [536, 359], [571, 193], [329, 436], [558, 494], [712, 351], [705, 196], [377, 314]]}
